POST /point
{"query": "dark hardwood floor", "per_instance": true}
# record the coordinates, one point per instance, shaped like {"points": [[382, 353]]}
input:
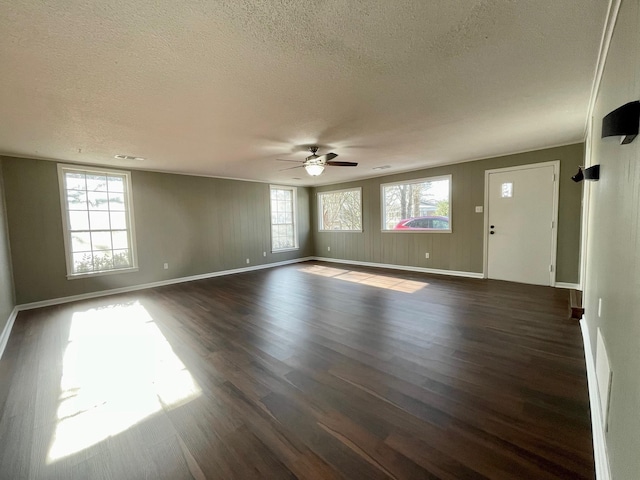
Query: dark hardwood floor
{"points": [[311, 370]]}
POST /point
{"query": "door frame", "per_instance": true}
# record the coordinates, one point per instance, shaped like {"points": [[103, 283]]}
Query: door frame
{"points": [[554, 230]]}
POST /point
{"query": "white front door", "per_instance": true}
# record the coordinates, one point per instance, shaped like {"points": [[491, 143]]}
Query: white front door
{"points": [[521, 223]]}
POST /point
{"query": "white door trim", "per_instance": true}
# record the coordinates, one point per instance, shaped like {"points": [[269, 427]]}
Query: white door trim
{"points": [[554, 231]]}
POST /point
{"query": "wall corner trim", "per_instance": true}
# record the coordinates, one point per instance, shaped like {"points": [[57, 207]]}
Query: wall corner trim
{"points": [[600, 453], [144, 286], [603, 53], [4, 337], [409, 268]]}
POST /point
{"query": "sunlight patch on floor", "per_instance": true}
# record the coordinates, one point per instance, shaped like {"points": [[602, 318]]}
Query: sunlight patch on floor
{"points": [[118, 369], [380, 281]]}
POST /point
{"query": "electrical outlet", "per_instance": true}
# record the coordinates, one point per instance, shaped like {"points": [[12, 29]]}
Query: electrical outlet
{"points": [[599, 307], [264, 254], [426, 255], [247, 261], [479, 209], [328, 249], [166, 266]]}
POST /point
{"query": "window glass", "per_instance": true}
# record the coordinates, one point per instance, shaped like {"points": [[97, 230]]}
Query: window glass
{"points": [[340, 210], [284, 235], [417, 205], [98, 230]]}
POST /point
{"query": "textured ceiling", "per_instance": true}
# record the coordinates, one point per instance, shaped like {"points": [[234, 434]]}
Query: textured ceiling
{"points": [[225, 87]]}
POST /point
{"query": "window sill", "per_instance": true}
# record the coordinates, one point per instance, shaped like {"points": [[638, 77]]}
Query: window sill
{"points": [[75, 276], [283, 250], [340, 231], [417, 231]]}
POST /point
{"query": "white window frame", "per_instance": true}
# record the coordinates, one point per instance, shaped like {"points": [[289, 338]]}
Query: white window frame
{"points": [[62, 168], [319, 209], [383, 205], [294, 219]]}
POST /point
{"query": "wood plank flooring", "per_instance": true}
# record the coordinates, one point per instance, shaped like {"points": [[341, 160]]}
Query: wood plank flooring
{"points": [[312, 370]]}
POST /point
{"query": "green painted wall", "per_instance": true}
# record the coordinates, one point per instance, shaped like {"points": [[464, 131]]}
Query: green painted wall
{"points": [[613, 249], [461, 250], [200, 225], [6, 282], [195, 224]]}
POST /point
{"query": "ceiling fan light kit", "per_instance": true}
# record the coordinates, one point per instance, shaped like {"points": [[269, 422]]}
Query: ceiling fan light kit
{"points": [[314, 169], [314, 164]]}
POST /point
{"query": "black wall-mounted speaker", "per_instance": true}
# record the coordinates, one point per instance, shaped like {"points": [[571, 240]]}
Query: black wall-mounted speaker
{"points": [[623, 121], [592, 173], [578, 177]]}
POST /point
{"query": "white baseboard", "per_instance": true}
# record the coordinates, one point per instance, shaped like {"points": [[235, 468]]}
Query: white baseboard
{"points": [[601, 456], [570, 286], [4, 337], [144, 286], [453, 273], [133, 288]]}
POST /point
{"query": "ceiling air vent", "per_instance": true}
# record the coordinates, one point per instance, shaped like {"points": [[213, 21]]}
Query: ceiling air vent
{"points": [[128, 157]]}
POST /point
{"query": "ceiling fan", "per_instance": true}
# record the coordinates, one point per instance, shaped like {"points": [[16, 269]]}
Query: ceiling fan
{"points": [[314, 164]]}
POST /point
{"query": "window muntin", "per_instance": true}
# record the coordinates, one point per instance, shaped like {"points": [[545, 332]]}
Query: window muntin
{"points": [[340, 210], [97, 220], [284, 230], [422, 205]]}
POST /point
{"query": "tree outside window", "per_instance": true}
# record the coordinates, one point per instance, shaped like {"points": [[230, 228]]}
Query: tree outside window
{"points": [[340, 210]]}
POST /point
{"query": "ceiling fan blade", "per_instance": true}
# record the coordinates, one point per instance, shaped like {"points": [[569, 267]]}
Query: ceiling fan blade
{"points": [[297, 166], [342, 164], [327, 157], [283, 160]]}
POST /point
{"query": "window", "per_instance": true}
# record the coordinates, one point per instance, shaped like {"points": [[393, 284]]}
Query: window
{"points": [[507, 190], [340, 210], [417, 205], [97, 220], [284, 234]]}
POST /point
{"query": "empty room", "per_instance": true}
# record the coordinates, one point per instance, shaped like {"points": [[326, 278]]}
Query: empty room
{"points": [[332, 239]]}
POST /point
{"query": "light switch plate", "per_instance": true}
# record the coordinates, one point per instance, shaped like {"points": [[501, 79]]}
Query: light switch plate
{"points": [[479, 209]]}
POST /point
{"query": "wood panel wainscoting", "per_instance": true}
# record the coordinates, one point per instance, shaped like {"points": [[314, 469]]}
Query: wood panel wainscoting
{"points": [[312, 370]]}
